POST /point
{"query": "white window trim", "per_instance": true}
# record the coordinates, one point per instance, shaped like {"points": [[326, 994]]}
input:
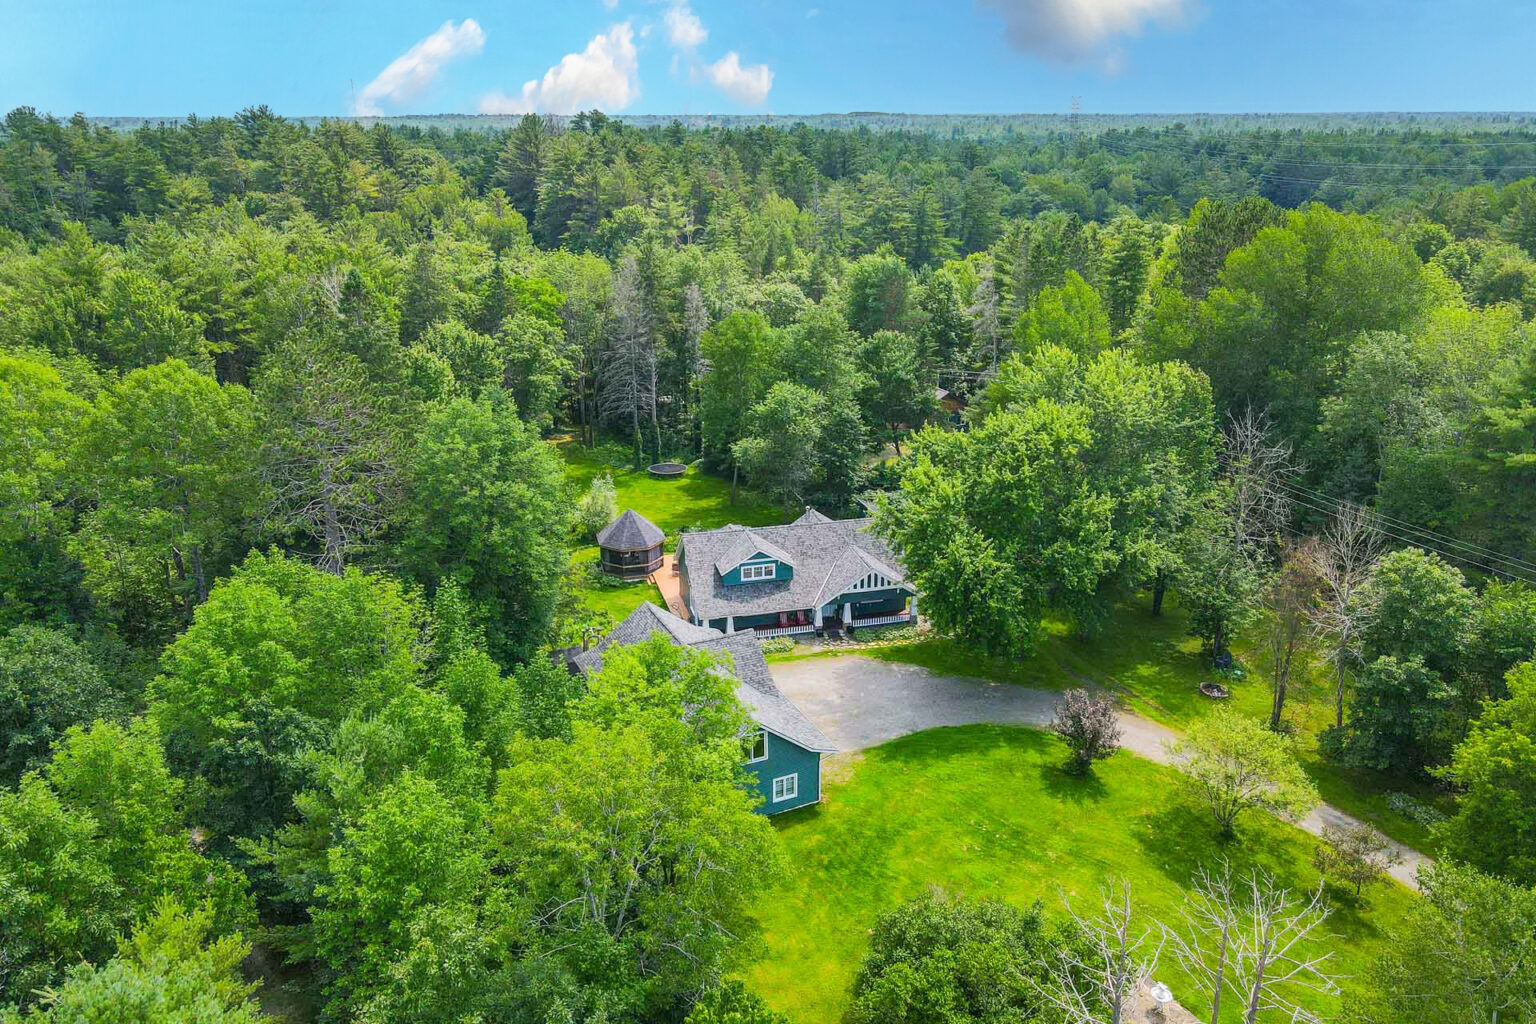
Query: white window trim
{"points": [[793, 790], [759, 572], [752, 742]]}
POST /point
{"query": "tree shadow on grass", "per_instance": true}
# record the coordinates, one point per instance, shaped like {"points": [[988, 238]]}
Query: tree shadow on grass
{"points": [[1181, 838], [1064, 784], [960, 741]]}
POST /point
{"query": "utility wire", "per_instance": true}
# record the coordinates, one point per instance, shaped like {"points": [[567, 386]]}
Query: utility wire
{"points": [[1420, 542], [1403, 524], [1447, 555]]}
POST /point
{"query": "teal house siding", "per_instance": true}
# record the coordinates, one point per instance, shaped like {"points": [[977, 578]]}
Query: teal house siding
{"points": [[783, 572], [746, 622], [878, 602], [786, 758]]}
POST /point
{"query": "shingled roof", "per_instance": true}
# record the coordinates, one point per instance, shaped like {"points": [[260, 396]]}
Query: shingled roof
{"points": [[630, 532], [828, 556], [755, 688], [748, 543]]}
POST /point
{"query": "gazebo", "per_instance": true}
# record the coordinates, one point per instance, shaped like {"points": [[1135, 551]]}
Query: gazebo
{"points": [[630, 546]]}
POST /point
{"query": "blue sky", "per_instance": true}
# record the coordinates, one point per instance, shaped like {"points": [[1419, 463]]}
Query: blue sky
{"points": [[138, 57]]}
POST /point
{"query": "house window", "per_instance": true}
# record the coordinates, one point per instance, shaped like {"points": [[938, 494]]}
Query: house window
{"points": [[786, 787], [757, 747], [766, 571]]}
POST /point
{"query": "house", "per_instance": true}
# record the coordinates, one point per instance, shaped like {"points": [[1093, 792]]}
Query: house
{"points": [[630, 546], [784, 748], [813, 575], [952, 406]]}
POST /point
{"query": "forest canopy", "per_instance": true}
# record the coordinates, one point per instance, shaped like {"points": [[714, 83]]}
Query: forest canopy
{"points": [[284, 540]]}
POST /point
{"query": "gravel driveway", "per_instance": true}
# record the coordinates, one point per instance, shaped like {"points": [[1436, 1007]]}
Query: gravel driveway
{"points": [[860, 702]]}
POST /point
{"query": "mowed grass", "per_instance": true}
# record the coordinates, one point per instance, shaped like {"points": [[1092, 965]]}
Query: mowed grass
{"points": [[1155, 667], [616, 600], [987, 811], [695, 500]]}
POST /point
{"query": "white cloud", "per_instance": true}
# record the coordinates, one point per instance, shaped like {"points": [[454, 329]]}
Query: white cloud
{"points": [[414, 70], [1077, 30], [748, 84], [606, 75], [686, 33], [684, 29]]}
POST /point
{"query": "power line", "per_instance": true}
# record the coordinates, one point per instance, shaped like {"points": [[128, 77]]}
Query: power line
{"points": [[1418, 541], [1404, 524], [1448, 555]]}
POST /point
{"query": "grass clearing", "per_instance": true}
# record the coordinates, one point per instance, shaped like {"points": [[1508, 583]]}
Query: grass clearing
{"points": [[695, 500], [988, 811], [1155, 667]]}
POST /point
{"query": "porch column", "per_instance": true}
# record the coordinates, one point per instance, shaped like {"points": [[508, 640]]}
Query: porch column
{"points": [[847, 613], [816, 617], [912, 608], [730, 623]]}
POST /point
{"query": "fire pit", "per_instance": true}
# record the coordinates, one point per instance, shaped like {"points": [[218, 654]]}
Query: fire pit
{"points": [[668, 469], [1215, 691]]}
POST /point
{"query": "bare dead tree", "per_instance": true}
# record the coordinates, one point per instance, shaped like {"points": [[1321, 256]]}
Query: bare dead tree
{"points": [[986, 327], [1252, 940], [1256, 466], [695, 323], [627, 384], [1292, 600], [329, 461], [1096, 982], [1343, 557]]}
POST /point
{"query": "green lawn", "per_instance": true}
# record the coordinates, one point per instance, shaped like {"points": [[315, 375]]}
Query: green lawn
{"points": [[617, 599], [1156, 666], [987, 811], [694, 500]]}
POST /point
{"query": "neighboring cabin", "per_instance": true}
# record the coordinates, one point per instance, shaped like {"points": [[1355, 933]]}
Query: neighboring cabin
{"points": [[631, 546], [785, 748], [814, 575]]}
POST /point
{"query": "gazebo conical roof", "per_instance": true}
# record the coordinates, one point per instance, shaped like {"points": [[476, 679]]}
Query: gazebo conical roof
{"points": [[630, 532]]}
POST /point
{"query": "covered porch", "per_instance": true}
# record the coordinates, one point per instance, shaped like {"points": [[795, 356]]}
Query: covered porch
{"points": [[848, 613]]}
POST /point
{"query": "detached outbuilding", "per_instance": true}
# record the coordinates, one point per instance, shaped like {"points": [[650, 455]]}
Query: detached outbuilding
{"points": [[781, 747], [630, 546]]}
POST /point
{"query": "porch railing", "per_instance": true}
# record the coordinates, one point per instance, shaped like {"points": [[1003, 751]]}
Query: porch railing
{"points": [[782, 630], [881, 620]]}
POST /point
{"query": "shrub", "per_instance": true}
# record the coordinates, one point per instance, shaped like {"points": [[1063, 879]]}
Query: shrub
{"points": [[1089, 725], [1356, 856], [1414, 810], [730, 1003], [598, 507]]}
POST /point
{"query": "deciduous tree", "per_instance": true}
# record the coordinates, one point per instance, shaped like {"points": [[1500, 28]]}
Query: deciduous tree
{"points": [[1232, 764]]}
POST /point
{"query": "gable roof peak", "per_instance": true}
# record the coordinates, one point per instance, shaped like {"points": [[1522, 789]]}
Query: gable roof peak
{"points": [[811, 517], [749, 545]]}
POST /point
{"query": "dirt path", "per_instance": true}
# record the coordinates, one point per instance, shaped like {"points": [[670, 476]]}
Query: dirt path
{"points": [[860, 702]]}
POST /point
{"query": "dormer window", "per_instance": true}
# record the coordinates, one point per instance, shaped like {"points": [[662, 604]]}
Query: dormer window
{"points": [[757, 746], [765, 571]]}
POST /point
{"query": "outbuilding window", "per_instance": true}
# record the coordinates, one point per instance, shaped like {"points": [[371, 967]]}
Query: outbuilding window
{"points": [[786, 787]]}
